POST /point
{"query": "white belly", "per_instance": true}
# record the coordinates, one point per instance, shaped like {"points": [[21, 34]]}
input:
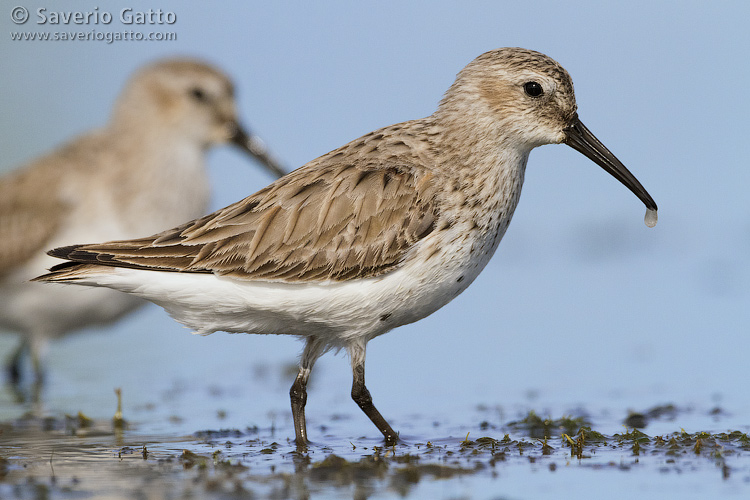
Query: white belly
{"points": [[435, 273]]}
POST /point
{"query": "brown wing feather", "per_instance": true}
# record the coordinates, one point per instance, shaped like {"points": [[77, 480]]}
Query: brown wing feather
{"points": [[30, 215], [330, 220]]}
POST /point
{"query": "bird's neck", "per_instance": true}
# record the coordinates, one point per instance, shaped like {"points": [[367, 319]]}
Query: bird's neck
{"points": [[488, 167]]}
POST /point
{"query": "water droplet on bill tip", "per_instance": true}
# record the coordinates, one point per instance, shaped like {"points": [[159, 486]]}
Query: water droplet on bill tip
{"points": [[651, 217]]}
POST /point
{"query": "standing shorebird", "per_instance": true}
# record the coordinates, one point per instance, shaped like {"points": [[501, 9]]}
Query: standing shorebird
{"points": [[376, 234], [143, 172]]}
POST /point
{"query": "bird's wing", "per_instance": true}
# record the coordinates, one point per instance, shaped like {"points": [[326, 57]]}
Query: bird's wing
{"points": [[330, 220], [30, 215]]}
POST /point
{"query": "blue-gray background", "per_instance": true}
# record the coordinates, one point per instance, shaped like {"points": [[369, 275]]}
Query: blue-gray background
{"points": [[581, 305]]}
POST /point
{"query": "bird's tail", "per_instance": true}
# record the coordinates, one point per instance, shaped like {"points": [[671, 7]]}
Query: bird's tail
{"points": [[69, 272]]}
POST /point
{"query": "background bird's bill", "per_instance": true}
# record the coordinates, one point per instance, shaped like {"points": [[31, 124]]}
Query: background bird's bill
{"points": [[255, 146]]}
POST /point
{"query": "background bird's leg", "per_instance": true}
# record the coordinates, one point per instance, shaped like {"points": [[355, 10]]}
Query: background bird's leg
{"points": [[15, 363], [38, 349], [362, 397], [33, 347], [298, 392]]}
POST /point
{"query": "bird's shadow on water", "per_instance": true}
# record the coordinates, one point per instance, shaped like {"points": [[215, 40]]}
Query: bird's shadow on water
{"points": [[73, 455]]}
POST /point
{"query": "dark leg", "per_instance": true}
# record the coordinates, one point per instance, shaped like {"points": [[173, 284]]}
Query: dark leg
{"points": [[15, 363], [298, 392], [362, 397], [38, 349]]}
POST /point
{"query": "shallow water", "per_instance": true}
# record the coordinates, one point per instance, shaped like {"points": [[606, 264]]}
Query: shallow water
{"points": [[199, 437], [60, 458]]}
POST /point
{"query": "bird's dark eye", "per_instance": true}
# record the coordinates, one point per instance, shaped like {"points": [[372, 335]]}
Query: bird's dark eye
{"points": [[198, 94], [533, 89]]}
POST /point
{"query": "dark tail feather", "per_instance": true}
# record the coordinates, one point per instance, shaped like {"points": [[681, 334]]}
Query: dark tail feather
{"points": [[63, 252], [67, 271]]}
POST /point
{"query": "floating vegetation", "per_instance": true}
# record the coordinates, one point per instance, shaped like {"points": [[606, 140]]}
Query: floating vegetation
{"points": [[541, 428], [80, 421], [661, 412], [252, 462], [118, 421]]}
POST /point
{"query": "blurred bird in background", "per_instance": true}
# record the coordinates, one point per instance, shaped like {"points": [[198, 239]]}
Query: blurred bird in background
{"points": [[141, 173]]}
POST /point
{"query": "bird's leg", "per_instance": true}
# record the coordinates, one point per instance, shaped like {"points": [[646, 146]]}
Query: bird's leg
{"points": [[15, 363], [362, 397], [298, 392], [38, 349], [298, 395]]}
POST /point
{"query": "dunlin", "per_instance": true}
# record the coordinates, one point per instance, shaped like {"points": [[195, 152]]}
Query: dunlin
{"points": [[143, 172], [376, 234]]}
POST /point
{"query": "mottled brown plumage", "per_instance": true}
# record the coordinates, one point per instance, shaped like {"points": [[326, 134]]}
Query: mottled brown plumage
{"points": [[377, 234], [349, 214]]}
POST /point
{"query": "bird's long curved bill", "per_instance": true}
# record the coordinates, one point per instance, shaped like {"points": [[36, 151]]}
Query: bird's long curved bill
{"points": [[581, 139], [257, 148]]}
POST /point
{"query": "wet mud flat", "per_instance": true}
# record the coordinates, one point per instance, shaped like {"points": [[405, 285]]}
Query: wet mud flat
{"points": [[77, 457]]}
